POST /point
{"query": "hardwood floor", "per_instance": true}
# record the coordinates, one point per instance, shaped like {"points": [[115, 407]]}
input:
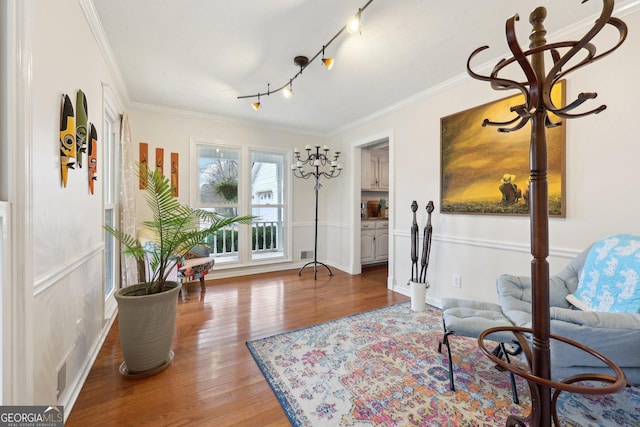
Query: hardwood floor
{"points": [[214, 380]]}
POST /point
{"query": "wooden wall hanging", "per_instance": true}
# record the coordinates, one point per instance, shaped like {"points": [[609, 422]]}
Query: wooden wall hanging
{"points": [[92, 157], [160, 160], [82, 129], [144, 163], [67, 139], [174, 173]]}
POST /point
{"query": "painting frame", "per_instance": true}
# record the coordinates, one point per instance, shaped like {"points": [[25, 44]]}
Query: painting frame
{"points": [[486, 172]]}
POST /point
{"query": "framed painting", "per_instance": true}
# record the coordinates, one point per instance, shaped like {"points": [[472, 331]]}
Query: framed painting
{"points": [[484, 171]]}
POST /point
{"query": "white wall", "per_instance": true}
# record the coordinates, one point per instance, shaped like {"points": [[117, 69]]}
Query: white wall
{"points": [[173, 131], [64, 319], [67, 310], [602, 156]]}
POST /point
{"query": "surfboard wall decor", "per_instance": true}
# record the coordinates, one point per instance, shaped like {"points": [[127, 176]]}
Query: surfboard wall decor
{"points": [[92, 156], [82, 130], [67, 139]]}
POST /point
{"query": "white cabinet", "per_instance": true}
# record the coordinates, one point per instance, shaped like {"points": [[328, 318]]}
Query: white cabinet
{"points": [[367, 245], [375, 170], [383, 170], [374, 242]]}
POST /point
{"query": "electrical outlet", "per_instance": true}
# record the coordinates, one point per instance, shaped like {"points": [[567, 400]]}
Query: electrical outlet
{"points": [[457, 281]]}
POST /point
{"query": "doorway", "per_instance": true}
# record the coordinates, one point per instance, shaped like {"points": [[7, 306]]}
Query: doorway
{"points": [[374, 204], [373, 200]]}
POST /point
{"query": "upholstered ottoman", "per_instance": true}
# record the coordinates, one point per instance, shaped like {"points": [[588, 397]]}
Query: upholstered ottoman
{"points": [[469, 318]]}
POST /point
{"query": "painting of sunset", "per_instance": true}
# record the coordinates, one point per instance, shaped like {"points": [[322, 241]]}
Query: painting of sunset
{"points": [[487, 172]]}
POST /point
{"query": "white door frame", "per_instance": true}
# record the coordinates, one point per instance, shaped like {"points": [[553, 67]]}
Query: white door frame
{"points": [[356, 155], [17, 301]]}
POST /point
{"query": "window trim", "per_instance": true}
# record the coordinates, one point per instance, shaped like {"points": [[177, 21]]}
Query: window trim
{"points": [[244, 197], [110, 112]]}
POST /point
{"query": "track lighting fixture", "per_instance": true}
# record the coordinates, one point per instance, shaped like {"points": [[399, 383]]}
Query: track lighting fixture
{"points": [[353, 24], [288, 91], [328, 62], [303, 62]]}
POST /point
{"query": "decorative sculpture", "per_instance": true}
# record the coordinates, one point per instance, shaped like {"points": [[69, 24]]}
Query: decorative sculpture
{"points": [[418, 281], [67, 139], [426, 245], [537, 104], [92, 157], [414, 243]]}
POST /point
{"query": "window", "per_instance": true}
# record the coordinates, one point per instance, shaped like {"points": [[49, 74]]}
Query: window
{"points": [[239, 181], [110, 187], [267, 204]]}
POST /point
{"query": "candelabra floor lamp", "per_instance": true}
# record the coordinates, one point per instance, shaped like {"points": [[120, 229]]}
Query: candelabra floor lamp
{"points": [[330, 169]]}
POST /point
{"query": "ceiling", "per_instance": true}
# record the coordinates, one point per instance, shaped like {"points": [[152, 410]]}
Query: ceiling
{"points": [[200, 55]]}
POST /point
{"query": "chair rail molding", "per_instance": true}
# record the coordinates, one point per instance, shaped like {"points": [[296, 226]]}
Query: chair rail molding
{"points": [[492, 244]]}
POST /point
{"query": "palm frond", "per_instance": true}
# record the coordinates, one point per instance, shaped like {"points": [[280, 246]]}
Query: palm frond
{"points": [[177, 228]]}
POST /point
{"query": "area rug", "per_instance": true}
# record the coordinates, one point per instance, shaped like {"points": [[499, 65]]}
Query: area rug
{"points": [[383, 368]]}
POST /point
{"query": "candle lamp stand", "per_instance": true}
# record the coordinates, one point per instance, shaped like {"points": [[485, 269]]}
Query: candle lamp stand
{"points": [[317, 164]]}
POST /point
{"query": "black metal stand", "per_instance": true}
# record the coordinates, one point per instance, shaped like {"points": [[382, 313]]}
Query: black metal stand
{"points": [[316, 160]]}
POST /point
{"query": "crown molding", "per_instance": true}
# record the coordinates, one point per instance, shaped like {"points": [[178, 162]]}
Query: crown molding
{"points": [[568, 32], [100, 36]]}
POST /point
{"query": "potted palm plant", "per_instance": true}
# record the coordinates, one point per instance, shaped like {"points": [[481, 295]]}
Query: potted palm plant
{"points": [[147, 311]]}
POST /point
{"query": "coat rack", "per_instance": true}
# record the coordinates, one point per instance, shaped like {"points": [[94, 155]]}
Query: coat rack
{"points": [[537, 104], [316, 161]]}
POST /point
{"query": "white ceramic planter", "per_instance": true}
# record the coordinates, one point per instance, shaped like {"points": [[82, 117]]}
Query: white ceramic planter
{"points": [[418, 295]]}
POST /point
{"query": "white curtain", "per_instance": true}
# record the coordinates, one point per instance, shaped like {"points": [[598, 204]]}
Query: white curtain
{"points": [[128, 265]]}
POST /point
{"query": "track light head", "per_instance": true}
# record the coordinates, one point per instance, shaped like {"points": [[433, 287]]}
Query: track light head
{"points": [[328, 62], [353, 24], [288, 91], [256, 105]]}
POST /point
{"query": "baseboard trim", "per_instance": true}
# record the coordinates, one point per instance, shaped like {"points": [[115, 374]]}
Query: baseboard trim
{"points": [[70, 397]]}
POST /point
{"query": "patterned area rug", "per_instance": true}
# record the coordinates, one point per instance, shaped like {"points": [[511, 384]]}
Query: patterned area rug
{"points": [[383, 368]]}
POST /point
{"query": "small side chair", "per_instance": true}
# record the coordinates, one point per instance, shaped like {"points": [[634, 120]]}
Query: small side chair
{"points": [[469, 318]]}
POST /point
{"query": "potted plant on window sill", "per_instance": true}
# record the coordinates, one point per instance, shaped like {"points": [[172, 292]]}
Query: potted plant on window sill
{"points": [[147, 311]]}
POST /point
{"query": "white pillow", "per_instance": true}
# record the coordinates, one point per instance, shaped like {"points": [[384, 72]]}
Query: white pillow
{"points": [[573, 300]]}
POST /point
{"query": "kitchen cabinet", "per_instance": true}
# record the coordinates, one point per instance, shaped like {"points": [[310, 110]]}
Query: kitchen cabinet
{"points": [[374, 242], [375, 170]]}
